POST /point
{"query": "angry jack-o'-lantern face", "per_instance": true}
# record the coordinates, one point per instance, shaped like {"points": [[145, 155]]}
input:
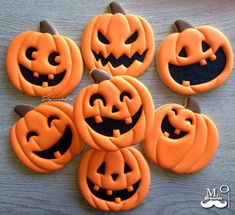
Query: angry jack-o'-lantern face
{"points": [[194, 60], [114, 180], [118, 43], [45, 138], [113, 113], [42, 64], [182, 140]]}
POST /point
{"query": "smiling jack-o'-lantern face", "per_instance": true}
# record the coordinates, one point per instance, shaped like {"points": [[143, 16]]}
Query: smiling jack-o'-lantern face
{"points": [[114, 180], [44, 64], [113, 113], [194, 60], [118, 43], [45, 138], [182, 140]]}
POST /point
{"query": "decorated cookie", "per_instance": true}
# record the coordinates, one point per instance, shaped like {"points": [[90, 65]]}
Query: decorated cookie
{"points": [[44, 63], [195, 59], [45, 138], [113, 113], [114, 181], [119, 43], [182, 140]]}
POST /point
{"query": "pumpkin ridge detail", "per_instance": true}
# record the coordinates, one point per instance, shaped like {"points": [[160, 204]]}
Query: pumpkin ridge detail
{"points": [[191, 149], [40, 64], [127, 50], [181, 154], [114, 113], [193, 61], [29, 137], [113, 188]]}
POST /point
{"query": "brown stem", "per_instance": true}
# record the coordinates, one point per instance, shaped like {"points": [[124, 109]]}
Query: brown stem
{"points": [[181, 25], [99, 75], [21, 110], [47, 27], [192, 104], [116, 8]]}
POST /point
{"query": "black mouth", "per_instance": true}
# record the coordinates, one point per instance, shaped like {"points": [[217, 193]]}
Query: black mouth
{"points": [[122, 60], [28, 75], [122, 194], [197, 74], [61, 146], [167, 127], [107, 126]]}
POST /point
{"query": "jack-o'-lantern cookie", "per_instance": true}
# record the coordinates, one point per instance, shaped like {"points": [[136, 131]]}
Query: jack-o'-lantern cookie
{"points": [[195, 59], [114, 181], [182, 140], [113, 113], [45, 137], [119, 43], [44, 63]]}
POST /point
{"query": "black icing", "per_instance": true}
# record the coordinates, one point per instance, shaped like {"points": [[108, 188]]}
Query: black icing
{"points": [[197, 74], [62, 145], [107, 126]]}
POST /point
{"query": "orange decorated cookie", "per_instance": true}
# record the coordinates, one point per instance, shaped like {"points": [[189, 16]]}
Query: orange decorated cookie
{"points": [[113, 113], [119, 43], [114, 181], [44, 64], [194, 60], [45, 137], [182, 140]]}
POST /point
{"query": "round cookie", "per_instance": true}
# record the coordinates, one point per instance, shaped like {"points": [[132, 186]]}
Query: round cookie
{"points": [[194, 60], [45, 137], [119, 43], [113, 113], [114, 181], [44, 64], [182, 140]]}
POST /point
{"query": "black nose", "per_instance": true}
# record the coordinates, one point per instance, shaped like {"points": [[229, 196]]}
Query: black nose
{"points": [[114, 176], [114, 109]]}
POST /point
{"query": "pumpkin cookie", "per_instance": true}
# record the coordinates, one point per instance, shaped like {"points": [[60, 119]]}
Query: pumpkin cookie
{"points": [[113, 113], [195, 59], [119, 43], [44, 64], [182, 140], [114, 181], [45, 137]]}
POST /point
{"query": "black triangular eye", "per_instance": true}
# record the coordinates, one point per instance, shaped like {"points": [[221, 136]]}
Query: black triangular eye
{"points": [[102, 38], [205, 46], [132, 38], [183, 52], [101, 169], [127, 168]]}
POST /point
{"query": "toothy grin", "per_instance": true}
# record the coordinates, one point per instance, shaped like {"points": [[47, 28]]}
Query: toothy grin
{"points": [[113, 127], [39, 79], [201, 72], [113, 195], [122, 60], [58, 149]]}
